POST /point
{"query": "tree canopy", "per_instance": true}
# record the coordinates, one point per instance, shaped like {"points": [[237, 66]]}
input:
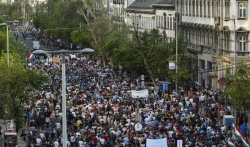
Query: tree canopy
{"points": [[17, 85], [238, 88], [147, 52]]}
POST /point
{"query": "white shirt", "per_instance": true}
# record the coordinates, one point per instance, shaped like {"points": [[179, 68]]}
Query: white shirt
{"points": [[81, 144], [47, 95], [58, 125], [78, 134], [72, 139], [38, 141], [201, 98], [56, 144], [42, 135], [170, 133], [102, 141]]}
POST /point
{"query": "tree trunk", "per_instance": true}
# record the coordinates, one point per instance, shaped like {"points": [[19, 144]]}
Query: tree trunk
{"points": [[149, 71]]}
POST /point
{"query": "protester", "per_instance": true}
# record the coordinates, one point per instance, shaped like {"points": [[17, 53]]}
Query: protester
{"points": [[102, 113]]}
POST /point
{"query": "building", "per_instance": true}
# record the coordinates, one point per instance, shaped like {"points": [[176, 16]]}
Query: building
{"points": [[7, 1], [152, 14], [211, 38]]}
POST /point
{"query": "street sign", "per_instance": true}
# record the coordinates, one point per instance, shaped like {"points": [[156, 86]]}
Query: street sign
{"points": [[164, 86], [138, 127]]}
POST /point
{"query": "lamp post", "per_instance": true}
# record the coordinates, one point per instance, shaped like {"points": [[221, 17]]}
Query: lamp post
{"points": [[176, 49], [7, 43], [235, 64], [63, 52]]}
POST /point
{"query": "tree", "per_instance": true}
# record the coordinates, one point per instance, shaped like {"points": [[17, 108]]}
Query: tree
{"points": [[14, 46], [58, 14], [4, 9], [147, 52], [16, 86], [238, 88], [99, 23]]}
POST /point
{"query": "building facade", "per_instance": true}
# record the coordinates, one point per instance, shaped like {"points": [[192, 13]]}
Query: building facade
{"points": [[152, 14], [211, 38]]}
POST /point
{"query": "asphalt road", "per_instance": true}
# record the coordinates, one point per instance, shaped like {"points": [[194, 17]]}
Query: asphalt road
{"points": [[28, 41]]}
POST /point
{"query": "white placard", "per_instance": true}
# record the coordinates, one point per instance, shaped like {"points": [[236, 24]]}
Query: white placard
{"points": [[157, 142], [179, 143], [171, 66], [141, 93]]}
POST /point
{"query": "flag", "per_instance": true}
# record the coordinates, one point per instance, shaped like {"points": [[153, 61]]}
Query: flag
{"points": [[30, 56], [56, 65], [243, 129], [177, 132], [239, 135], [230, 143], [181, 105]]}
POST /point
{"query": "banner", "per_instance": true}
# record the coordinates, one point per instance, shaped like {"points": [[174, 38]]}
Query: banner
{"points": [[157, 142], [139, 94], [179, 143], [171, 66], [56, 60]]}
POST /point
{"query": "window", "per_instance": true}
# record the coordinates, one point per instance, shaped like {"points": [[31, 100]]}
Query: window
{"points": [[208, 9], [165, 22], [193, 8], [212, 9], [171, 20], [189, 8], [177, 6], [242, 44], [197, 9], [242, 10], [205, 10], [186, 9], [200, 9], [183, 8], [227, 10]]}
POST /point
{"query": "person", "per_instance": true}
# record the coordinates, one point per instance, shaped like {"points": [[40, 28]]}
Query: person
{"points": [[38, 142], [68, 143], [125, 140], [56, 143], [92, 100], [81, 143]]}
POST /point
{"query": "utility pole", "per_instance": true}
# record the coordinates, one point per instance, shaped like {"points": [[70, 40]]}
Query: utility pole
{"points": [[176, 50]]}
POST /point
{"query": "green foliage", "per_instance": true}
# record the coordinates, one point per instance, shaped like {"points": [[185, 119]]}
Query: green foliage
{"points": [[17, 85], [147, 52], [14, 46], [58, 14], [4, 9], [238, 88], [81, 37], [1, 20]]}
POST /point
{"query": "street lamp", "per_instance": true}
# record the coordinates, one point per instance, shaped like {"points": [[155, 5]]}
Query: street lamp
{"points": [[176, 48], [7, 43], [63, 52], [234, 43]]}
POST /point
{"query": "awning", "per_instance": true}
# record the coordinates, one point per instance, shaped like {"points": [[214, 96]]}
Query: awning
{"points": [[222, 81]]}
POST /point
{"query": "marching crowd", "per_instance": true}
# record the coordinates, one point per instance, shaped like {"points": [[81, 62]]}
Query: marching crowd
{"points": [[102, 113]]}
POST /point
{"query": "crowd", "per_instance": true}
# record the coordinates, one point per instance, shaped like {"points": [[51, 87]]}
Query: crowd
{"points": [[102, 113]]}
